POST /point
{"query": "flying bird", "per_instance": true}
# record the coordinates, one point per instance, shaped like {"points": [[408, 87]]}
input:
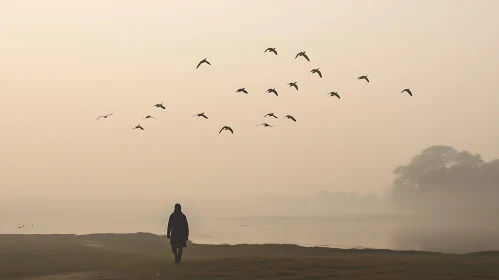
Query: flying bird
{"points": [[272, 90], [266, 125], [139, 127], [105, 116], [316, 70], [271, 115], [271, 50], [334, 93], [289, 117], [149, 117], [408, 91], [203, 61], [200, 115], [293, 84], [160, 105], [226, 128], [242, 90], [363, 77], [304, 54]]}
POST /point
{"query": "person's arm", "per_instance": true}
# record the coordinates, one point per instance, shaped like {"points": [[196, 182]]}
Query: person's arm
{"points": [[186, 229], [168, 230]]}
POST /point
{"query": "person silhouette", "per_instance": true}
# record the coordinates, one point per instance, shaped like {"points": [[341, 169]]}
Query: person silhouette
{"points": [[178, 232]]}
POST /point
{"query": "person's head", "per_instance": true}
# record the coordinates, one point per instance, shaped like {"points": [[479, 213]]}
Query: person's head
{"points": [[178, 207]]}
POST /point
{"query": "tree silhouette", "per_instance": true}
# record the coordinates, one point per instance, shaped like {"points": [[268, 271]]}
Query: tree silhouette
{"points": [[442, 178]]}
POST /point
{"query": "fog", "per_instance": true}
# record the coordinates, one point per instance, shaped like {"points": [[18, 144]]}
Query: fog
{"points": [[64, 63]]}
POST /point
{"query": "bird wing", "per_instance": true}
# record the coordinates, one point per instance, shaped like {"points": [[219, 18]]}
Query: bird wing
{"points": [[274, 51], [297, 55], [199, 64], [204, 116], [230, 129], [367, 79], [408, 91], [221, 130], [141, 127], [337, 95], [207, 62], [245, 91], [162, 107], [99, 117], [320, 74], [305, 56], [296, 86], [275, 92], [110, 115]]}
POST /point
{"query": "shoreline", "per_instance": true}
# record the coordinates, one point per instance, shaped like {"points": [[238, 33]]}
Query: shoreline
{"points": [[192, 243]]}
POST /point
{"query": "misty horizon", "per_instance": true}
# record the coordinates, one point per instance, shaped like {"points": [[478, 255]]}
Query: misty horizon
{"points": [[379, 165]]}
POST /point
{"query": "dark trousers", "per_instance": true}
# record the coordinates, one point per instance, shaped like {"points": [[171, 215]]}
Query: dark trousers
{"points": [[178, 253]]}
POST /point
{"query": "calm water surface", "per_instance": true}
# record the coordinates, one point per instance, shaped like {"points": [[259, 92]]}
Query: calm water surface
{"points": [[328, 232]]}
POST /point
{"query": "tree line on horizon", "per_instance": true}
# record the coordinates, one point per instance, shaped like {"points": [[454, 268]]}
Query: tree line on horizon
{"points": [[442, 179]]}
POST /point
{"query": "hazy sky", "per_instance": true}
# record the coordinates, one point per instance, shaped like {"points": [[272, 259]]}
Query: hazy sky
{"points": [[63, 63]]}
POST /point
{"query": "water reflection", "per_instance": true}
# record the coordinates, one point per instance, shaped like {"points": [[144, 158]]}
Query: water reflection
{"points": [[397, 234]]}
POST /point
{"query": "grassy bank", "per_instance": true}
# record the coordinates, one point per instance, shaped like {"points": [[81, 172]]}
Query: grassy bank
{"points": [[144, 256]]}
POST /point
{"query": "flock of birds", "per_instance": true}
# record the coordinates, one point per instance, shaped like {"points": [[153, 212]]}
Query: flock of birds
{"points": [[270, 90]]}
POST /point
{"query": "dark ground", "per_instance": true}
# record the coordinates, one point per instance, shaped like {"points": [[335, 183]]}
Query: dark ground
{"points": [[147, 256]]}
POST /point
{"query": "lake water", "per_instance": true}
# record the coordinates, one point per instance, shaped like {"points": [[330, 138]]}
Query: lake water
{"points": [[328, 232]]}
